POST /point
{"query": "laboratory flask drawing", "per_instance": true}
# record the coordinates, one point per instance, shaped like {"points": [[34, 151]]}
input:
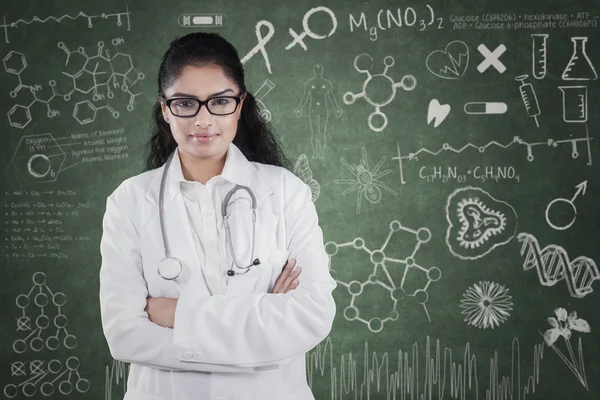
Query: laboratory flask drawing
{"points": [[44, 330], [385, 89], [579, 67]]}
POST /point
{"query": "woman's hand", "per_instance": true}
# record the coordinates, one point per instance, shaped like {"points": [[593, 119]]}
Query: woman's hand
{"points": [[161, 310], [288, 278]]}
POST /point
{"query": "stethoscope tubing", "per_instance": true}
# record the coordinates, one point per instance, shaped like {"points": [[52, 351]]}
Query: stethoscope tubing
{"points": [[172, 264]]}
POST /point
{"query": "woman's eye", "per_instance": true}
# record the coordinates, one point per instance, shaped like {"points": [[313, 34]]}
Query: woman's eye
{"points": [[221, 101], [183, 103]]}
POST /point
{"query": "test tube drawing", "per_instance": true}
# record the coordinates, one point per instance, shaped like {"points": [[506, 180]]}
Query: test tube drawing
{"points": [[574, 103], [539, 55], [262, 91], [529, 98]]}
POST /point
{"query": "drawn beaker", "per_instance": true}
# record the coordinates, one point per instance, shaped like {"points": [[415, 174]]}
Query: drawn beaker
{"points": [[574, 103], [579, 68]]}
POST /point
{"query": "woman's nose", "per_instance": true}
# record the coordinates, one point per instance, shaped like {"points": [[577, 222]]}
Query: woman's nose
{"points": [[204, 118]]}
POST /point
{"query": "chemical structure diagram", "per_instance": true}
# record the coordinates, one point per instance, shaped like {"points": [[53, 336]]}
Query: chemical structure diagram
{"points": [[101, 75], [122, 18], [43, 376], [379, 89], [381, 276]]}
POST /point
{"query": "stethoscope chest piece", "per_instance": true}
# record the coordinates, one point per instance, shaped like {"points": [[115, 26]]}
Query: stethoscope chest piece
{"points": [[169, 268]]}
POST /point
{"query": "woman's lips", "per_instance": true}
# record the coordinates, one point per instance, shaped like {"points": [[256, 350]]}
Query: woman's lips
{"points": [[203, 137]]}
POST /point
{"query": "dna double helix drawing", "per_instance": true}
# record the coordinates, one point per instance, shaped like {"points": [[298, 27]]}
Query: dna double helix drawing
{"points": [[553, 265]]}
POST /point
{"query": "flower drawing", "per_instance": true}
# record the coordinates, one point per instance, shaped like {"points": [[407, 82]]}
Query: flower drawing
{"points": [[486, 305], [562, 326]]}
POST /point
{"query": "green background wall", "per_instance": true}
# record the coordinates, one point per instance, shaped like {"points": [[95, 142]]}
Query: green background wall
{"points": [[463, 233]]}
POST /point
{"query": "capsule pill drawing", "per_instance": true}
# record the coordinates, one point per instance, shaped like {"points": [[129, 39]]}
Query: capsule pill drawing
{"points": [[485, 107], [203, 20]]}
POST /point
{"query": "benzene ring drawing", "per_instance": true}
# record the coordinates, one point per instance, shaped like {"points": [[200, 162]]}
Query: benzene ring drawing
{"points": [[379, 89], [477, 223]]}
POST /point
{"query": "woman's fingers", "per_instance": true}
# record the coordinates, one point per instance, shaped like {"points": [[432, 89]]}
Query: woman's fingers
{"points": [[287, 277], [287, 269], [291, 279]]}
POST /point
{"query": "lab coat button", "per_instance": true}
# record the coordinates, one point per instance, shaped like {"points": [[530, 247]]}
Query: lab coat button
{"points": [[197, 356], [187, 355]]}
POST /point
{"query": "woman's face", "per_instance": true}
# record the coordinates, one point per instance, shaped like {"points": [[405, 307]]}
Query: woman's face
{"points": [[203, 135]]}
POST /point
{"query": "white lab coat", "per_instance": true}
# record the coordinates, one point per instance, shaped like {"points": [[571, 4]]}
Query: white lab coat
{"points": [[243, 344]]}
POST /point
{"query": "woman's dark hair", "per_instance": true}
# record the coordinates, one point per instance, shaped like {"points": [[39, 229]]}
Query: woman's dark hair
{"points": [[255, 137]]}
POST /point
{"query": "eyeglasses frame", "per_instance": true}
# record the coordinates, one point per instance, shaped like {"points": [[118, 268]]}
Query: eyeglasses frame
{"points": [[238, 99]]}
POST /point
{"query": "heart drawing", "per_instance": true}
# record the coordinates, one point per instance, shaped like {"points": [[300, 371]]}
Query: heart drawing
{"points": [[450, 63]]}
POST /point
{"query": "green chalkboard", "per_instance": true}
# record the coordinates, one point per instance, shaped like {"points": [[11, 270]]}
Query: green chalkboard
{"points": [[452, 152]]}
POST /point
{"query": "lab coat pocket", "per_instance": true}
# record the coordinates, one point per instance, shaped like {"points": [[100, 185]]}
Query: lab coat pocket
{"points": [[257, 279]]}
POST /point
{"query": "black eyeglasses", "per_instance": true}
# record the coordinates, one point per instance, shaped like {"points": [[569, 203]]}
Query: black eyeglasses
{"points": [[188, 106]]}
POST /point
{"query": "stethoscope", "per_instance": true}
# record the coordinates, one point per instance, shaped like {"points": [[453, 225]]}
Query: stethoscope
{"points": [[169, 267]]}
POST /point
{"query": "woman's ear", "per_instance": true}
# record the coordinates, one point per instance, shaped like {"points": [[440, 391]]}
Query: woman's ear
{"points": [[163, 107], [241, 105]]}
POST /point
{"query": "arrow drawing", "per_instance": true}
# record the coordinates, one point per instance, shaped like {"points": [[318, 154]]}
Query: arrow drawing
{"points": [[580, 188]]}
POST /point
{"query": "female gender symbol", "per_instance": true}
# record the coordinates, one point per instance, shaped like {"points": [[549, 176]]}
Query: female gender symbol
{"points": [[307, 31]]}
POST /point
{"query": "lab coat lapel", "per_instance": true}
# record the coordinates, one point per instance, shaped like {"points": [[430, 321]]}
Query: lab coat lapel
{"points": [[240, 171], [178, 231]]}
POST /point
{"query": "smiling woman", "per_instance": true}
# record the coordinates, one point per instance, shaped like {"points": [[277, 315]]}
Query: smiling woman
{"points": [[214, 280]]}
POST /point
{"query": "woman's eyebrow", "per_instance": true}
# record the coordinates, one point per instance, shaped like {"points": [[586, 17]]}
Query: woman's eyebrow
{"points": [[196, 97]]}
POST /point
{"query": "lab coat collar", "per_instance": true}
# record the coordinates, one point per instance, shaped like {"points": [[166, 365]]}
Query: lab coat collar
{"points": [[237, 170]]}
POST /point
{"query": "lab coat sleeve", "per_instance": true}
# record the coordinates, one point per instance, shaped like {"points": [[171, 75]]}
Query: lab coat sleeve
{"points": [[264, 328], [131, 336]]}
